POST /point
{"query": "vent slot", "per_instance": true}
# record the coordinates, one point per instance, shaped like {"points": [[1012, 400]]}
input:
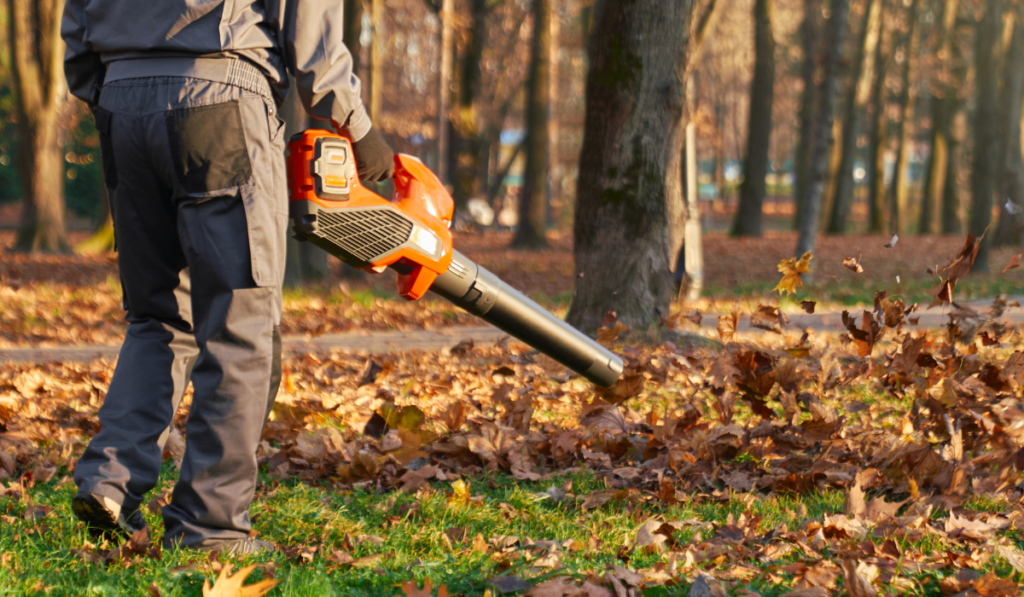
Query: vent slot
{"points": [[365, 233]]}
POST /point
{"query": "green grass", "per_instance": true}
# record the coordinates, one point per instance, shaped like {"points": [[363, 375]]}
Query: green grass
{"points": [[412, 544]]}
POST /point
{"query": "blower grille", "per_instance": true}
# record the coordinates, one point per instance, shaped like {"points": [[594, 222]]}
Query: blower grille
{"points": [[365, 233]]}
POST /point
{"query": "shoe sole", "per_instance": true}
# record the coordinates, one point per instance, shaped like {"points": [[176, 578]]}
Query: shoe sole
{"points": [[97, 518]]}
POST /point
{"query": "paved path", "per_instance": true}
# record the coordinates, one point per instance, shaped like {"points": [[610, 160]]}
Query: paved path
{"points": [[385, 342]]}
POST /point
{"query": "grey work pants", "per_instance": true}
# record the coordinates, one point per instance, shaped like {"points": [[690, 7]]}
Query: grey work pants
{"points": [[198, 192]]}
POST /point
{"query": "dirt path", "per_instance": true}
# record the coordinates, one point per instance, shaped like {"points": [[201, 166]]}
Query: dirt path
{"points": [[387, 342]]}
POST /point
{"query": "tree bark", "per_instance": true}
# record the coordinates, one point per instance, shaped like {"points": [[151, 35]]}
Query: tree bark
{"points": [[469, 146], [899, 189], [1009, 230], [533, 196], [629, 186], [942, 89], [38, 51], [445, 86], [985, 167], [860, 87], [305, 262], [823, 130], [752, 191], [808, 102], [951, 223], [877, 134], [377, 49], [353, 31]]}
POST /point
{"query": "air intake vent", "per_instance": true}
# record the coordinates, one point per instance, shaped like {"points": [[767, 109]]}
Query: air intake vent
{"points": [[365, 233]]}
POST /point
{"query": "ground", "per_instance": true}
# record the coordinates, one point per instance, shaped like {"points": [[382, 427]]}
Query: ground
{"points": [[881, 460]]}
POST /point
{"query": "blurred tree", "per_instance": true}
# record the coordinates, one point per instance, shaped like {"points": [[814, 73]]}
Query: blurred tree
{"points": [[857, 98], [944, 93], [629, 195], [752, 191], [899, 188], [808, 103], [878, 128], [1009, 230], [37, 51], [447, 15], [810, 216], [378, 49], [533, 203], [985, 167], [305, 262]]}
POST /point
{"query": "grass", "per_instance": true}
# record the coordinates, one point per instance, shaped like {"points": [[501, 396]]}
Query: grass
{"points": [[412, 541]]}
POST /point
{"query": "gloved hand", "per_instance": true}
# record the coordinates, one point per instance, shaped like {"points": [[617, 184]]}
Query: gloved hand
{"points": [[375, 161]]}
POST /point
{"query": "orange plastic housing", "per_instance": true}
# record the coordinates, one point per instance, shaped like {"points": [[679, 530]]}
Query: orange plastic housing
{"points": [[419, 195]]}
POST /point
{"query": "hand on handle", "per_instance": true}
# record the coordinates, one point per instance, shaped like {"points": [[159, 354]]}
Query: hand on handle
{"points": [[375, 161]]}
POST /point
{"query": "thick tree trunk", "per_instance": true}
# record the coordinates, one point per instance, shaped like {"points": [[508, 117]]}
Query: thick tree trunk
{"points": [[37, 49], [951, 222], [899, 188], [305, 262], [823, 129], [877, 134], [629, 185], [860, 87], [468, 143], [759, 129], [533, 197], [808, 103], [1009, 230], [353, 31], [942, 87], [985, 167], [445, 86]]}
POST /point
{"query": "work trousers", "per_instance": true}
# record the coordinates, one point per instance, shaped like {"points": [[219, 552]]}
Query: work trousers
{"points": [[198, 193]]}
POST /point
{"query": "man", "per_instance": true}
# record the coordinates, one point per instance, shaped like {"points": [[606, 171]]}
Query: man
{"points": [[185, 94]]}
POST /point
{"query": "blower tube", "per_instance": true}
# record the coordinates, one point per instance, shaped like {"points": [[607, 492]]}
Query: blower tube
{"points": [[483, 294]]}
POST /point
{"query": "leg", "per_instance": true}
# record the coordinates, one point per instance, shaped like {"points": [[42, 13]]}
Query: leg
{"points": [[122, 462], [229, 236]]}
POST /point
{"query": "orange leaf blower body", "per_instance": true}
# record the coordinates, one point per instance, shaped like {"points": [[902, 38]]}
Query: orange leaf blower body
{"points": [[410, 234]]}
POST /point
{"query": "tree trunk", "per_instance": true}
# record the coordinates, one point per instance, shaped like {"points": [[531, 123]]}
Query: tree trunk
{"points": [[1009, 230], [533, 196], [629, 186], [823, 129], [942, 88], [877, 134], [305, 262], [752, 191], [860, 87], [554, 187], [37, 49], [985, 167], [353, 31], [377, 49], [951, 223], [468, 142], [445, 86], [808, 102], [899, 188]]}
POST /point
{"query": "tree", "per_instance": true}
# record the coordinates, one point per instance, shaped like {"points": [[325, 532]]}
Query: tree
{"points": [[752, 191], [823, 130], [860, 87], [533, 196], [943, 95], [447, 15], [808, 101], [38, 51], [985, 167], [899, 190], [1011, 176], [305, 262], [877, 131], [629, 195]]}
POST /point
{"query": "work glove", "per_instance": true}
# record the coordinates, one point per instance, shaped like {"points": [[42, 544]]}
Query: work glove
{"points": [[375, 161]]}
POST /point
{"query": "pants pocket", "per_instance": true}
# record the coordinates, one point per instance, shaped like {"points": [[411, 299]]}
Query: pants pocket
{"points": [[208, 147]]}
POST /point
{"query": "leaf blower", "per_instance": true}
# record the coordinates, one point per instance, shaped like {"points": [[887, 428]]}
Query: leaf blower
{"points": [[410, 235]]}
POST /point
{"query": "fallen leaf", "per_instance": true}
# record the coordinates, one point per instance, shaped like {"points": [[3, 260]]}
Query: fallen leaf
{"points": [[231, 586]]}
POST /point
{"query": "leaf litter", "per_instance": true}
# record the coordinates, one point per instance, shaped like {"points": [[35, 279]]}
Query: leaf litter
{"points": [[744, 421]]}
